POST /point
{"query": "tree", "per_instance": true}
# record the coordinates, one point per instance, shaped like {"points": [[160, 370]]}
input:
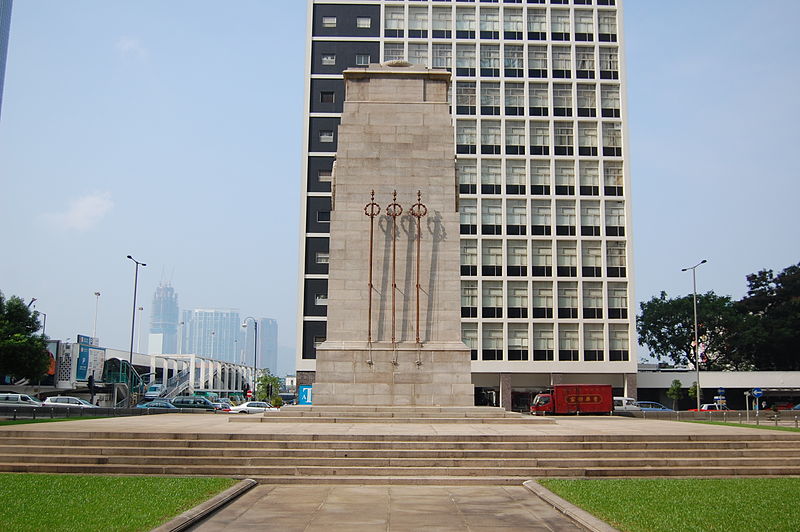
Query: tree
{"points": [[675, 392], [23, 353], [269, 386], [693, 391], [666, 327]]}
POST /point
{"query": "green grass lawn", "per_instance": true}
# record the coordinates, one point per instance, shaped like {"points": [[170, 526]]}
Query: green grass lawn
{"points": [[656, 505], [86, 503]]}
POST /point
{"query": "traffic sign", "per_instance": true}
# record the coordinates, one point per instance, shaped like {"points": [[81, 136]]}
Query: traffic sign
{"points": [[249, 393], [757, 392], [721, 391]]}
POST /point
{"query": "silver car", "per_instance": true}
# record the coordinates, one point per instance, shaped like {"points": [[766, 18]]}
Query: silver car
{"points": [[251, 407]]}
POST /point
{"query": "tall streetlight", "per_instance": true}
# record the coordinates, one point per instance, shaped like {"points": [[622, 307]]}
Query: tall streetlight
{"points": [[139, 331], [133, 318], [696, 343], [255, 349], [96, 307]]}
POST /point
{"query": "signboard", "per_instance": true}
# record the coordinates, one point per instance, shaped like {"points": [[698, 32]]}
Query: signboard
{"points": [[249, 393], [90, 361], [304, 394], [757, 392]]}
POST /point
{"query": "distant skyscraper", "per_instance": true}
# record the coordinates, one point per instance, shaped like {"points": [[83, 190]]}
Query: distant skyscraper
{"points": [[267, 345], [5, 27], [164, 321], [213, 333]]}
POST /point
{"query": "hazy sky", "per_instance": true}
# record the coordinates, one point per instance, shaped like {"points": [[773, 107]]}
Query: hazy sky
{"points": [[172, 131]]}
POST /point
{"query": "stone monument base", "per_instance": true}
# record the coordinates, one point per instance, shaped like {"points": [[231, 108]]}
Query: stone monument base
{"points": [[352, 373]]}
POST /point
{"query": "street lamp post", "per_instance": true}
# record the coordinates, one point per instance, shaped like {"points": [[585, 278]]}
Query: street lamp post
{"points": [[696, 343], [96, 307], [255, 349], [133, 318]]}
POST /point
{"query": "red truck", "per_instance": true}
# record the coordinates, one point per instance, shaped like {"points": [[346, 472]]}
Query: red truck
{"points": [[574, 399]]}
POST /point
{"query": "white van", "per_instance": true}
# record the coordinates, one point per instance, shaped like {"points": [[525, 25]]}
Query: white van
{"points": [[154, 391], [625, 404], [18, 399]]}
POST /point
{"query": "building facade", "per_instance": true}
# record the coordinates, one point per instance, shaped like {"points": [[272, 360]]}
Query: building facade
{"points": [[164, 321], [5, 29], [538, 107], [213, 333], [267, 354]]}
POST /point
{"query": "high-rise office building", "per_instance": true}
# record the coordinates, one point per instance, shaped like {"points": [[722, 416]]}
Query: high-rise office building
{"points": [[164, 321], [213, 333], [5, 29], [267, 345], [538, 106]]}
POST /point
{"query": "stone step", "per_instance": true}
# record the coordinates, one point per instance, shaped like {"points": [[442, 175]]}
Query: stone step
{"points": [[389, 419]]}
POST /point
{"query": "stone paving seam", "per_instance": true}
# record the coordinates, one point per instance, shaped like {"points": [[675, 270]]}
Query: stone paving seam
{"points": [[582, 517], [194, 515]]}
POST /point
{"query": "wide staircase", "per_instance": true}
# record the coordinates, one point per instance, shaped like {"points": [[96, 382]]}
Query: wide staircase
{"points": [[399, 459], [392, 414]]}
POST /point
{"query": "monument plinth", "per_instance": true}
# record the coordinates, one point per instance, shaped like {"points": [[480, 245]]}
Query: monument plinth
{"points": [[394, 330]]}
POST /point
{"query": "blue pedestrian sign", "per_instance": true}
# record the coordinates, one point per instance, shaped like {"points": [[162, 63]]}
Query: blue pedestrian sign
{"points": [[757, 392], [304, 395]]}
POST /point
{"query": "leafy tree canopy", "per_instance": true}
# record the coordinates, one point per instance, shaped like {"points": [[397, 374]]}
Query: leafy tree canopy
{"points": [[269, 386], [23, 353]]}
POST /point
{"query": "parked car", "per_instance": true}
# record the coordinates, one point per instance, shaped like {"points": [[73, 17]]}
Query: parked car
{"points": [[222, 407], [67, 401], [652, 406], [18, 399], [625, 404], [156, 403], [251, 407], [193, 401], [709, 407], [154, 391]]}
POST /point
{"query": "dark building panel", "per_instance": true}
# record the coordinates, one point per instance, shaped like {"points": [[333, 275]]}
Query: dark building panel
{"points": [[349, 20], [334, 57], [318, 215], [316, 292], [320, 173], [317, 249], [313, 332], [327, 95], [322, 134]]}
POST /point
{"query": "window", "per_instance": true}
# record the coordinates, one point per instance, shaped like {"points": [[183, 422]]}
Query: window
{"points": [[490, 98], [542, 259], [591, 259], [442, 56], [318, 340], [565, 218], [559, 20], [584, 62], [517, 254], [612, 178], [609, 63], [565, 178], [584, 25], [537, 24], [491, 176], [562, 99], [540, 178], [491, 141], [467, 177], [466, 136], [418, 54], [468, 212], [587, 138], [618, 342], [587, 100], [490, 60], [328, 59], [593, 300], [617, 300], [469, 257], [516, 176], [515, 99], [541, 218], [540, 138], [492, 342], [363, 22], [362, 59], [568, 343], [490, 23], [512, 24], [608, 26], [325, 176], [491, 217], [515, 137], [326, 135], [593, 343], [537, 61], [328, 22], [513, 61], [612, 139], [465, 60], [543, 344], [469, 335], [469, 299], [590, 218], [393, 51], [418, 22], [465, 23], [492, 257], [562, 62], [324, 217], [322, 257], [564, 137], [615, 218], [542, 300], [516, 217], [394, 22], [492, 299], [538, 99], [615, 257], [321, 299], [442, 23], [326, 97], [566, 259], [589, 178], [518, 341], [609, 100]]}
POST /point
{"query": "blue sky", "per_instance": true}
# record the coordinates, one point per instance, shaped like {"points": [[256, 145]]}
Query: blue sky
{"points": [[172, 131]]}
